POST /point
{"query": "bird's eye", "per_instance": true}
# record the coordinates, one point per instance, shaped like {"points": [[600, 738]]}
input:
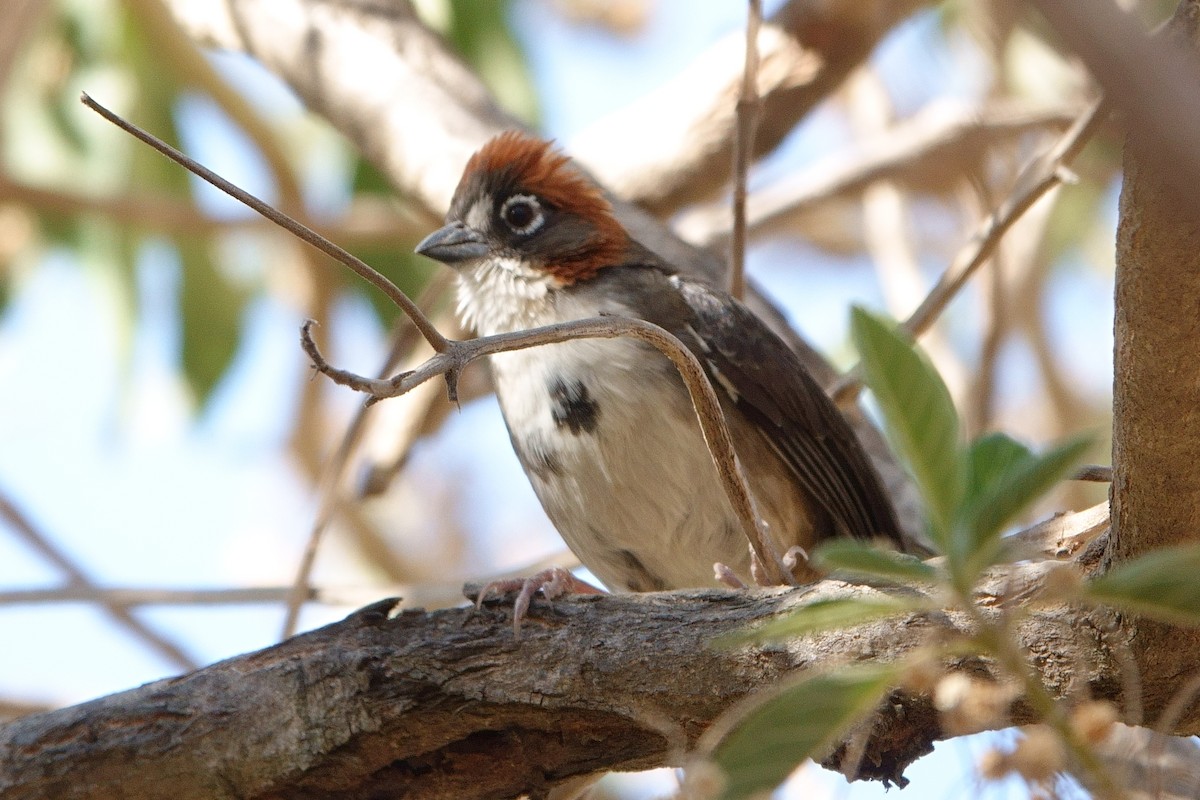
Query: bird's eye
{"points": [[522, 213]]}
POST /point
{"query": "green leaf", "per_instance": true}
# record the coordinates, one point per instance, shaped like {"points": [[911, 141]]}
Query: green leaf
{"points": [[797, 722], [210, 310], [918, 413], [1161, 585], [1012, 486], [990, 459], [831, 614], [482, 35], [862, 561]]}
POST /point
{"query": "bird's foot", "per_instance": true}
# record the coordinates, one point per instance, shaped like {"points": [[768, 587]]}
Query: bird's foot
{"points": [[553, 583], [727, 577], [796, 556]]}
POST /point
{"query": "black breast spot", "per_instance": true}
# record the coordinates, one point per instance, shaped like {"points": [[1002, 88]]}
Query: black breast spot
{"points": [[573, 407]]}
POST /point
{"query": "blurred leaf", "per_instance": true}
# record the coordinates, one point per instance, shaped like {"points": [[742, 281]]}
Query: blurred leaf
{"points": [[1161, 585], [918, 413], [801, 721], [481, 34], [862, 561], [367, 179], [404, 268], [211, 317], [1014, 485], [831, 614], [990, 460]]}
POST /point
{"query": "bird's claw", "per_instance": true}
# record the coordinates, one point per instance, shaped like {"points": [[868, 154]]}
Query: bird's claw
{"points": [[553, 583], [725, 576]]}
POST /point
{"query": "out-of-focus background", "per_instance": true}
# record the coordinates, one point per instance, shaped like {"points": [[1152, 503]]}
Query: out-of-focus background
{"points": [[162, 444]]}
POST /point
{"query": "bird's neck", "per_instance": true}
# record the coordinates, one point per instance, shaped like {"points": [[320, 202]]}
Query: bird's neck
{"points": [[500, 295]]}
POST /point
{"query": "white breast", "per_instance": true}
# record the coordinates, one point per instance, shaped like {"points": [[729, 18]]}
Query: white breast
{"points": [[608, 437]]}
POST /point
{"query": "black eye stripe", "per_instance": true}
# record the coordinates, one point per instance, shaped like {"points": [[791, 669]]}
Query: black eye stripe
{"points": [[522, 213]]}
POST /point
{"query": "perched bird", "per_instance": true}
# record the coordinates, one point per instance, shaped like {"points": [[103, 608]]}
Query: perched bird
{"points": [[605, 429]]}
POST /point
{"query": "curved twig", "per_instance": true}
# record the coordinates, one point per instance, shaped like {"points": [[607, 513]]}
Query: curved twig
{"points": [[438, 342], [459, 354]]}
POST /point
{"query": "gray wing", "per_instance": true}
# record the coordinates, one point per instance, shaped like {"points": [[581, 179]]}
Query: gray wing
{"points": [[765, 380]]}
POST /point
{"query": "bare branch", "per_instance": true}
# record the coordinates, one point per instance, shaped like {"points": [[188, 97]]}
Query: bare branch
{"points": [[416, 702], [364, 223], [403, 340], [926, 152], [674, 146], [459, 354], [749, 106], [1042, 174], [431, 334]]}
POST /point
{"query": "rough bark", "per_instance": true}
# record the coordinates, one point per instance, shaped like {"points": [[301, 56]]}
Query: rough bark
{"points": [[1156, 430], [450, 704]]}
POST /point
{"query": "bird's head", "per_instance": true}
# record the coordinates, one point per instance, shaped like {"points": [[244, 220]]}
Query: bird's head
{"points": [[523, 209]]}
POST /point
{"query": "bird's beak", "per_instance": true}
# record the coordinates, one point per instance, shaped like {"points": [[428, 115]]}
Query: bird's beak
{"points": [[453, 243]]}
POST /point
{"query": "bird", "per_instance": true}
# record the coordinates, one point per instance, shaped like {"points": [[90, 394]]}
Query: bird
{"points": [[605, 428]]}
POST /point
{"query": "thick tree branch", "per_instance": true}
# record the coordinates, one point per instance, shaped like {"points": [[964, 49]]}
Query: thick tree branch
{"points": [[450, 703]]}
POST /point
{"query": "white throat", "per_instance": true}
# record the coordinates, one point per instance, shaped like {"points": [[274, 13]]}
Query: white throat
{"points": [[499, 295]]}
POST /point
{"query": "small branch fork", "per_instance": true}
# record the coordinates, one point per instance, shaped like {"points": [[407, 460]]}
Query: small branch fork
{"points": [[459, 354], [452, 356], [1042, 174]]}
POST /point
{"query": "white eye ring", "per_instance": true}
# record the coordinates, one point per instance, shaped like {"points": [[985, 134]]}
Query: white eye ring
{"points": [[529, 202]]}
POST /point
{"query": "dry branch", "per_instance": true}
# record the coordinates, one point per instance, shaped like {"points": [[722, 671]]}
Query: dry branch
{"points": [[674, 146], [927, 152], [449, 705]]}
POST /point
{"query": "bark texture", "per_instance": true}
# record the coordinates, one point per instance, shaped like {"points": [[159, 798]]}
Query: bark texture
{"points": [[1155, 81], [450, 704]]}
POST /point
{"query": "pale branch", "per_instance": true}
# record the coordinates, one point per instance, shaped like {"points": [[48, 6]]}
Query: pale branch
{"points": [[428, 594], [448, 704], [927, 152], [674, 146], [27, 532], [363, 224], [1152, 79], [413, 107], [1043, 173], [749, 107], [452, 361]]}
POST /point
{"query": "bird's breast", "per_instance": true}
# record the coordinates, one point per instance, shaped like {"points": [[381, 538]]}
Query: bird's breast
{"points": [[607, 434]]}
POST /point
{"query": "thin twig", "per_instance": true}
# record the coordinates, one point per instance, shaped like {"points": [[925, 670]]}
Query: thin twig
{"points": [[704, 398], [1095, 473], [749, 106], [27, 532], [335, 468], [433, 594], [438, 342], [1041, 175]]}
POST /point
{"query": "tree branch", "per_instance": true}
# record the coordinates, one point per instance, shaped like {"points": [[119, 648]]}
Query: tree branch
{"points": [[449, 705]]}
